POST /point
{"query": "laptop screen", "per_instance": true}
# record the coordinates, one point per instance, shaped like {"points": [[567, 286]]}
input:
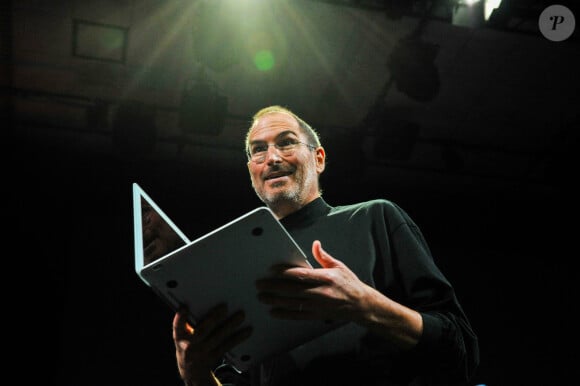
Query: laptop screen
{"points": [[155, 235]]}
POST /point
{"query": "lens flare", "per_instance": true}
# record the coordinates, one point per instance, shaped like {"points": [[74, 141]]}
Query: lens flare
{"points": [[264, 60]]}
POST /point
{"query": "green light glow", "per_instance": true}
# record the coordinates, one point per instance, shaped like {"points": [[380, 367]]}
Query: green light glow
{"points": [[264, 60]]}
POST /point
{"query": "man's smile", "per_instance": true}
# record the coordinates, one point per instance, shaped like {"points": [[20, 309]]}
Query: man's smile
{"points": [[277, 174]]}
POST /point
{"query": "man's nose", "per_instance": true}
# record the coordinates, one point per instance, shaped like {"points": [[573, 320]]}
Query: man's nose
{"points": [[273, 155]]}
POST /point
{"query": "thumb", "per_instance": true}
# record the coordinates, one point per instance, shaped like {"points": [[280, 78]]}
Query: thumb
{"points": [[323, 258]]}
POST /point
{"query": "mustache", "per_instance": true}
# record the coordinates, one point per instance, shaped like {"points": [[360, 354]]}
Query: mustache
{"points": [[276, 168]]}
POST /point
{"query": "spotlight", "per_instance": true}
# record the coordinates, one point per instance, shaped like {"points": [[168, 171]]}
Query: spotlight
{"points": [[469, 13]]}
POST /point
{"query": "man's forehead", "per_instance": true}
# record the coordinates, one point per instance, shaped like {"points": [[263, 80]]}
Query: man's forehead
{"points": [[273, 124]]}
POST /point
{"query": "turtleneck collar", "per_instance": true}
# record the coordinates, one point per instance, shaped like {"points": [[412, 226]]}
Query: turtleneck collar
{"points": [[307, 214]]}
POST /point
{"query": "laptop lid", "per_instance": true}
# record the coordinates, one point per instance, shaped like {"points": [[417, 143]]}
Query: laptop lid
{"points": [[221, 267], [155, 235]]}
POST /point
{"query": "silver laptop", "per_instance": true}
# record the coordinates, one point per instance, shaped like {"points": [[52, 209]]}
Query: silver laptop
{"points": [[155, 235], [221, 267]]}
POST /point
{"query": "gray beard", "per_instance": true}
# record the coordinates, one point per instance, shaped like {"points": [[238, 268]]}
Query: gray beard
{"points": [[292, 198], [286, 197]]}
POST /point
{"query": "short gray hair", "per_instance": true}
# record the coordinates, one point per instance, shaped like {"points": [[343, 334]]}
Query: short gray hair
{"points": [[311, 134]]}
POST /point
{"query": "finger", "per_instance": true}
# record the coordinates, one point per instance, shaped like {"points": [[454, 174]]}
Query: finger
{"points": [[214, 317], [180, 325], [280, 268], [322, 257], [285, 272]]}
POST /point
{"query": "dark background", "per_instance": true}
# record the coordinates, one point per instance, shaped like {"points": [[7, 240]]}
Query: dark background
{"points": [[497, 202], [509, 254]]}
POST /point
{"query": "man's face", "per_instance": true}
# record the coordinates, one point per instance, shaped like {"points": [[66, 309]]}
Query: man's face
{"points": [[284, 182]]}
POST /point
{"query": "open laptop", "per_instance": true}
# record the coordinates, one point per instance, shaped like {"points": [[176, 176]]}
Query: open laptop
{"points": [[221, 267], [145, 213]]}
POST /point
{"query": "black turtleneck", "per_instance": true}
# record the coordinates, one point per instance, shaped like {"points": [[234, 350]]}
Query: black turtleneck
{"points": [[382, 245], [307, 214]]}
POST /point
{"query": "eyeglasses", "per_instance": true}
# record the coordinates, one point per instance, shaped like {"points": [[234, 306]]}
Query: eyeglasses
{"points": [[286, 146]]}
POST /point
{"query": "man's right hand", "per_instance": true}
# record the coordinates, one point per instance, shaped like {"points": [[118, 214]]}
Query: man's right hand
{"points": [[198, 350]]}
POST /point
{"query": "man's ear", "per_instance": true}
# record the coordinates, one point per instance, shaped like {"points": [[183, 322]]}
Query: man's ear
{"points": [[320, 159]]}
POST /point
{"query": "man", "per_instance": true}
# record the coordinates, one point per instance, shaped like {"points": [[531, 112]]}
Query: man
{"points": [[405, 324]]}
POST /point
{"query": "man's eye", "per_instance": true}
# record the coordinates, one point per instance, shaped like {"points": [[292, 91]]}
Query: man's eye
{"points": [[286, 142], [259, 149]]}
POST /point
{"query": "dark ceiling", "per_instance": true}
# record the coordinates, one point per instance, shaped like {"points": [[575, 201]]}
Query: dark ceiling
{"points": [[472, 127], [397, 86]]}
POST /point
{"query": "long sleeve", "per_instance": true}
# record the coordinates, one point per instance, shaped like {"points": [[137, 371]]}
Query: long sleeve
{"points": [[380, 243], [448, 350]]}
